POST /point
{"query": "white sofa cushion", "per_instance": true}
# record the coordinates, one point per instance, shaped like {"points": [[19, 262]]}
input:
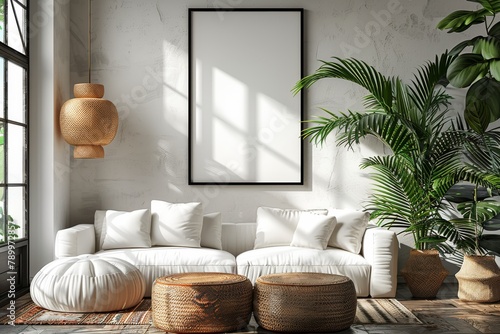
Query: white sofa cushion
{"points": [[257, 262], [275, 227], [161, 261], [211, 231], [176, 224], [313, 231], [350, 228], [127, 229]]}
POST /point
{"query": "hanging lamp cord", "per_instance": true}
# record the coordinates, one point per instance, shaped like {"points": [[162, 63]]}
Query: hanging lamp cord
{"points": [[89, 55]]}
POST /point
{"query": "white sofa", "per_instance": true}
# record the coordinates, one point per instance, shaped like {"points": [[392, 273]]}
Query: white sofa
{"points": [[373, 270]]}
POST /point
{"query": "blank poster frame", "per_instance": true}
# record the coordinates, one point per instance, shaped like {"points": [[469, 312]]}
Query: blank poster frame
{"points": [[267, 126]]}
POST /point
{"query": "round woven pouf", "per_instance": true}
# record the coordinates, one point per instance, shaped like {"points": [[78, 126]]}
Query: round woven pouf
{"points": [[201, 302], [304, 302], [88, 284]]}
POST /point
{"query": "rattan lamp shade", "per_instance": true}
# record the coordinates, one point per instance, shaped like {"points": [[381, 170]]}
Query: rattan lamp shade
{"points": [[88, 121]]}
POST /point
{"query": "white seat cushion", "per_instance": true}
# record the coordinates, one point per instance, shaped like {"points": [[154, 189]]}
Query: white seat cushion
{"points": [[87, 283], [161, 261], [271, 260]]}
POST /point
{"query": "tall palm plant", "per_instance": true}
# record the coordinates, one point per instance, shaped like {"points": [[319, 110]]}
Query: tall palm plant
{"points": [[411, 120]]}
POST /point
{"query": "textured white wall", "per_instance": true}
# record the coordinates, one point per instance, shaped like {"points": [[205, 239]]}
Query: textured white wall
{"points": [[139, 52], [49, 155]]}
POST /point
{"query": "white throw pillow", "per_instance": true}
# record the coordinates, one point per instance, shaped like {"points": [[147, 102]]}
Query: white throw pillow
{"points": [[350, 228], [127, 229], [275, 227], [211, 232], [176, 224], [313, 231]]}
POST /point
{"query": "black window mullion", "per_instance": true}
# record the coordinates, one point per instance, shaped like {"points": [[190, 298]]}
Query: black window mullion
{"points": [[21, 4], [6, 117], [13, 56], [5, 150], [21, 36], [10, 55], [6, 21]]}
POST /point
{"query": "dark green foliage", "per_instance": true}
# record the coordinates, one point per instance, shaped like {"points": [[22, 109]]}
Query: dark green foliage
{"points": [[410, 183]]}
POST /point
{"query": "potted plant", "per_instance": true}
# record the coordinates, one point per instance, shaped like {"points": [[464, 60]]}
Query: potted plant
{"points": [[409, 183], [477, 68], [479, 275]]}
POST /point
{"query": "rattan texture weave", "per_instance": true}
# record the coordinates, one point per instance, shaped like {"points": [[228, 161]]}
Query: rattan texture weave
{"points": [[479, 279], [88, 120], [304, 302], [424, 273], [201, 302], [88, 90]]}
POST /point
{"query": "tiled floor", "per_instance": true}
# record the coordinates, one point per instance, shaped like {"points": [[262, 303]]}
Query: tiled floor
{"points": [[445, 314]]}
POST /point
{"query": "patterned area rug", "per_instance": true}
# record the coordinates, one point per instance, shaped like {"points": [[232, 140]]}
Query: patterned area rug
{"points": [[369, 311]]}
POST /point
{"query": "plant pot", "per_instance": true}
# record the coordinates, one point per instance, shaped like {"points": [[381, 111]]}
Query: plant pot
{"points": [[479, 279], [424, 273]]}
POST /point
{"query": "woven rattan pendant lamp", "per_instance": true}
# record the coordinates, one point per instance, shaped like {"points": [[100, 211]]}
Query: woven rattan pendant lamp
{"points": [[88, 121]]}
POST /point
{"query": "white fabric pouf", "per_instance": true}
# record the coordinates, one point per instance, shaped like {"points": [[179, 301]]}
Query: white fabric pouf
{"points": [[88, 283]]}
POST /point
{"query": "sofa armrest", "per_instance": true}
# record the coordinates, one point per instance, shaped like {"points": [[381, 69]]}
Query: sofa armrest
{"points": [[74, 241], [380, 249]]}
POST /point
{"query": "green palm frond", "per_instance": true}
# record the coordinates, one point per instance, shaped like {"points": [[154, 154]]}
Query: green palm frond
{"points": [[398, 199], [472, 174], [323, 127], [482, 150], [410, 120], [357, 72], [384, 127], [432, 74], [459, 231]]}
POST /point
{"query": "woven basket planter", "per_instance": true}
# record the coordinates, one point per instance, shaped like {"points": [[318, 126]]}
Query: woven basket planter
{"points": [[201, 302], [479, 279], [88, 121], [424, 273], [304, 302]]}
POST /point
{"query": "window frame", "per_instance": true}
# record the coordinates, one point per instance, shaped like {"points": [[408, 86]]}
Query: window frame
{"points": [[19, 248]]}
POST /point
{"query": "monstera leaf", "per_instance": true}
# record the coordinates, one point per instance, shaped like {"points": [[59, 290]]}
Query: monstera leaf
{"points": [[492, 6], [460, 193], [478, 68], [491, 242], [492, 224], [482, 104], [462, 20], [466, 69]]}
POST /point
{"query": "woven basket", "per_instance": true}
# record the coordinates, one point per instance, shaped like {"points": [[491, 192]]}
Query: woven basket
{"points": [[88, 121], [201, 302], [479, 279], [304, 302], [424, 273]]}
